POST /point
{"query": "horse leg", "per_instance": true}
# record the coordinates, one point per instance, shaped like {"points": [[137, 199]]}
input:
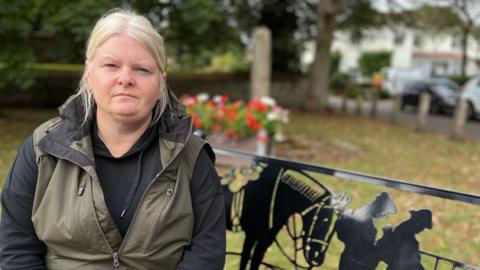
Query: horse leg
{"points": [[261, 248], [246, 251]]}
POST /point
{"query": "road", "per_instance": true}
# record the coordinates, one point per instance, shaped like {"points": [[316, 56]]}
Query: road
{"points": [[436, 123]]}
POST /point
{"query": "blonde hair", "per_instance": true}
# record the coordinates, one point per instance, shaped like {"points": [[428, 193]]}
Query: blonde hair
{"points": [[119, 21]]}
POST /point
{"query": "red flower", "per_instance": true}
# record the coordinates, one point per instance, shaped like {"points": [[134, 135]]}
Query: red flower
{"points": [[257, 104], [196, 120], [216, 128], [252, 122], [232, 115], [211, 104]]}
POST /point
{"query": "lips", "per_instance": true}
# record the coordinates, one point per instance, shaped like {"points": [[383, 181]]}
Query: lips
{"points": [[123, 94]]}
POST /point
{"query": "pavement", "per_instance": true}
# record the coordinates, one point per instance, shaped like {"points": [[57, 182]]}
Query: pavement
{"points": [[436, 122]]}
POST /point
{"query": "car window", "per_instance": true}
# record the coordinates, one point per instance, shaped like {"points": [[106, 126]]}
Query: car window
{"points": [[444, 87]]}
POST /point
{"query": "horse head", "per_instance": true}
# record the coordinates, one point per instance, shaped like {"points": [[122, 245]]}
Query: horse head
{"points": [[317, 231]]}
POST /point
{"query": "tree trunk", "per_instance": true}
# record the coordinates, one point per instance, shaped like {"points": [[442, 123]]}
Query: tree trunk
{"points": [[465, 34], [319, 80]]}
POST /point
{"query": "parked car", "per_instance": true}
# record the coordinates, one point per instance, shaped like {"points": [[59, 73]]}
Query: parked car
{"points": [[396, 78], [444, 94], [471, 93]]}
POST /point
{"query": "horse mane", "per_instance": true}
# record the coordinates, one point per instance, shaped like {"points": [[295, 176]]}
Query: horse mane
{"points": [[303, 188]]}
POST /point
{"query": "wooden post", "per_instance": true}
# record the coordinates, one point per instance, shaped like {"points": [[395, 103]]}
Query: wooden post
{"points": [[396, 108], [344, 101], [359, 100], [423, 108], [460, 116], [374, 93], [260, 72]]}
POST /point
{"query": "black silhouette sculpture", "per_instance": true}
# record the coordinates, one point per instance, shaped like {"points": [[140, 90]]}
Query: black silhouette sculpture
{"points": [[271, 194], [268, 202], [356, 229], [399, 248]]}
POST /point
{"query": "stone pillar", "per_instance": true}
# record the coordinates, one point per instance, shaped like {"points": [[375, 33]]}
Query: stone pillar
{"points": [[423, 109], [460, 117], [344, 101], [359, 104], [261, 70], [374, 101], [396, 108]]}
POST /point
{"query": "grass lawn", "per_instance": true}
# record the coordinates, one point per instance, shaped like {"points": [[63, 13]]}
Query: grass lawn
{"points": [[359, 144]]}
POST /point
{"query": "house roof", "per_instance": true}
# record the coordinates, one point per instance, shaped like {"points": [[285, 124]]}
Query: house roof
{"points": [[438, 55]]}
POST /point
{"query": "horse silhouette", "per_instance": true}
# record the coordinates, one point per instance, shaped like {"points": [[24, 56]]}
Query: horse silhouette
{"points": [[266, 205]]}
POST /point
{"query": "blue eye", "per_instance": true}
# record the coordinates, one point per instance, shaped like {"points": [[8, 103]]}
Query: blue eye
{"points": [[110, 66], [143, 70]]}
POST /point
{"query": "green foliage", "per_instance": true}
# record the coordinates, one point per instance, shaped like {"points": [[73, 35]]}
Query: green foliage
{"points": [[64, 24], [195, 31], [339, 81], [335, 58], [461, 80], [371, 62], [15, 29], [64, 27], [230, 61], [290, 22], [435, 19], [359, 15], [71, 22]]}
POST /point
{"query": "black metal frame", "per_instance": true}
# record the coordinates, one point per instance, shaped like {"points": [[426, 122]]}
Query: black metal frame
{"points": [[360, 177]]}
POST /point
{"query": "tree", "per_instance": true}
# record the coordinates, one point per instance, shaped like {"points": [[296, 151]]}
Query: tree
{"points": [[469, 11], [319, 81], [355, 15], [448, 17], [194, 31], [290, 22]]}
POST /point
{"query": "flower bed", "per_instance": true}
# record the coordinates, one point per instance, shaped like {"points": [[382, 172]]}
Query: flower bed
{"points": [[235, 119]]}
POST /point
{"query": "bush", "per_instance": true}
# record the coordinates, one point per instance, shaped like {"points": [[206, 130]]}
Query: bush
{"points": [[371, 62], [338, 81], [461, 80]]}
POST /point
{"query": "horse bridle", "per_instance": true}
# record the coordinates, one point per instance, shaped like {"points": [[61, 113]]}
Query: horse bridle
{"points": [[317, 207]]}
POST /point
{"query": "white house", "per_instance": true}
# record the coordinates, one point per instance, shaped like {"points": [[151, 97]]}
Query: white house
{"points": [[439, 54]]}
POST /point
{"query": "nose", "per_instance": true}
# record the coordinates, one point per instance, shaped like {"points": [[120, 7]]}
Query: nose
{"points": [[125, 78]]}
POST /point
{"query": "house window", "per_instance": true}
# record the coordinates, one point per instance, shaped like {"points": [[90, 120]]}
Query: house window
{"points": [[398, 38], [456, 42], [417, 40]]}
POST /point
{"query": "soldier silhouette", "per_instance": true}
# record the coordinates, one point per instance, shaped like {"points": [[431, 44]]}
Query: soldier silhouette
{"points": [[398, 247], [356, 229]]}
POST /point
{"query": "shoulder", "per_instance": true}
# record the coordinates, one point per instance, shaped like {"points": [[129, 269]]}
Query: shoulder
{"points": [[45, 128], [41, 131], [199, 148]]}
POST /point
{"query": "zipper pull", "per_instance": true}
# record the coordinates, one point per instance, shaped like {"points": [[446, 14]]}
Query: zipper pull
{"points": [[116, 262], [81, 190]]}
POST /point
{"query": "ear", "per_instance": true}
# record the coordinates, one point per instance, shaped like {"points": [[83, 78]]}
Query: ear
{"points": [[164, 75]]}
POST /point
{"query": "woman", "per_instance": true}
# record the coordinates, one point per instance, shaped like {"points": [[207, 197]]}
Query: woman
{"points": [[118, 180]]}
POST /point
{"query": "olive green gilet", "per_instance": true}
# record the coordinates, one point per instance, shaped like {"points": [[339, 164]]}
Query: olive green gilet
{"points": [[70, 215]]}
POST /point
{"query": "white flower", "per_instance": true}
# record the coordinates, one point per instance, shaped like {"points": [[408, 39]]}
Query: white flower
{"points": [[267, 101], [189, 101], [202, 97], [217, 99], [285, 118], [272, 116]]}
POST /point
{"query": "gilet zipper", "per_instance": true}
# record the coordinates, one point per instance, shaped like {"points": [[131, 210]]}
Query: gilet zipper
{"points": [[116, 262]]}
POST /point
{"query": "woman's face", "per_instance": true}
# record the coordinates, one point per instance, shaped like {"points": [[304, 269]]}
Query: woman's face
{"points": [[124, 79]]}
